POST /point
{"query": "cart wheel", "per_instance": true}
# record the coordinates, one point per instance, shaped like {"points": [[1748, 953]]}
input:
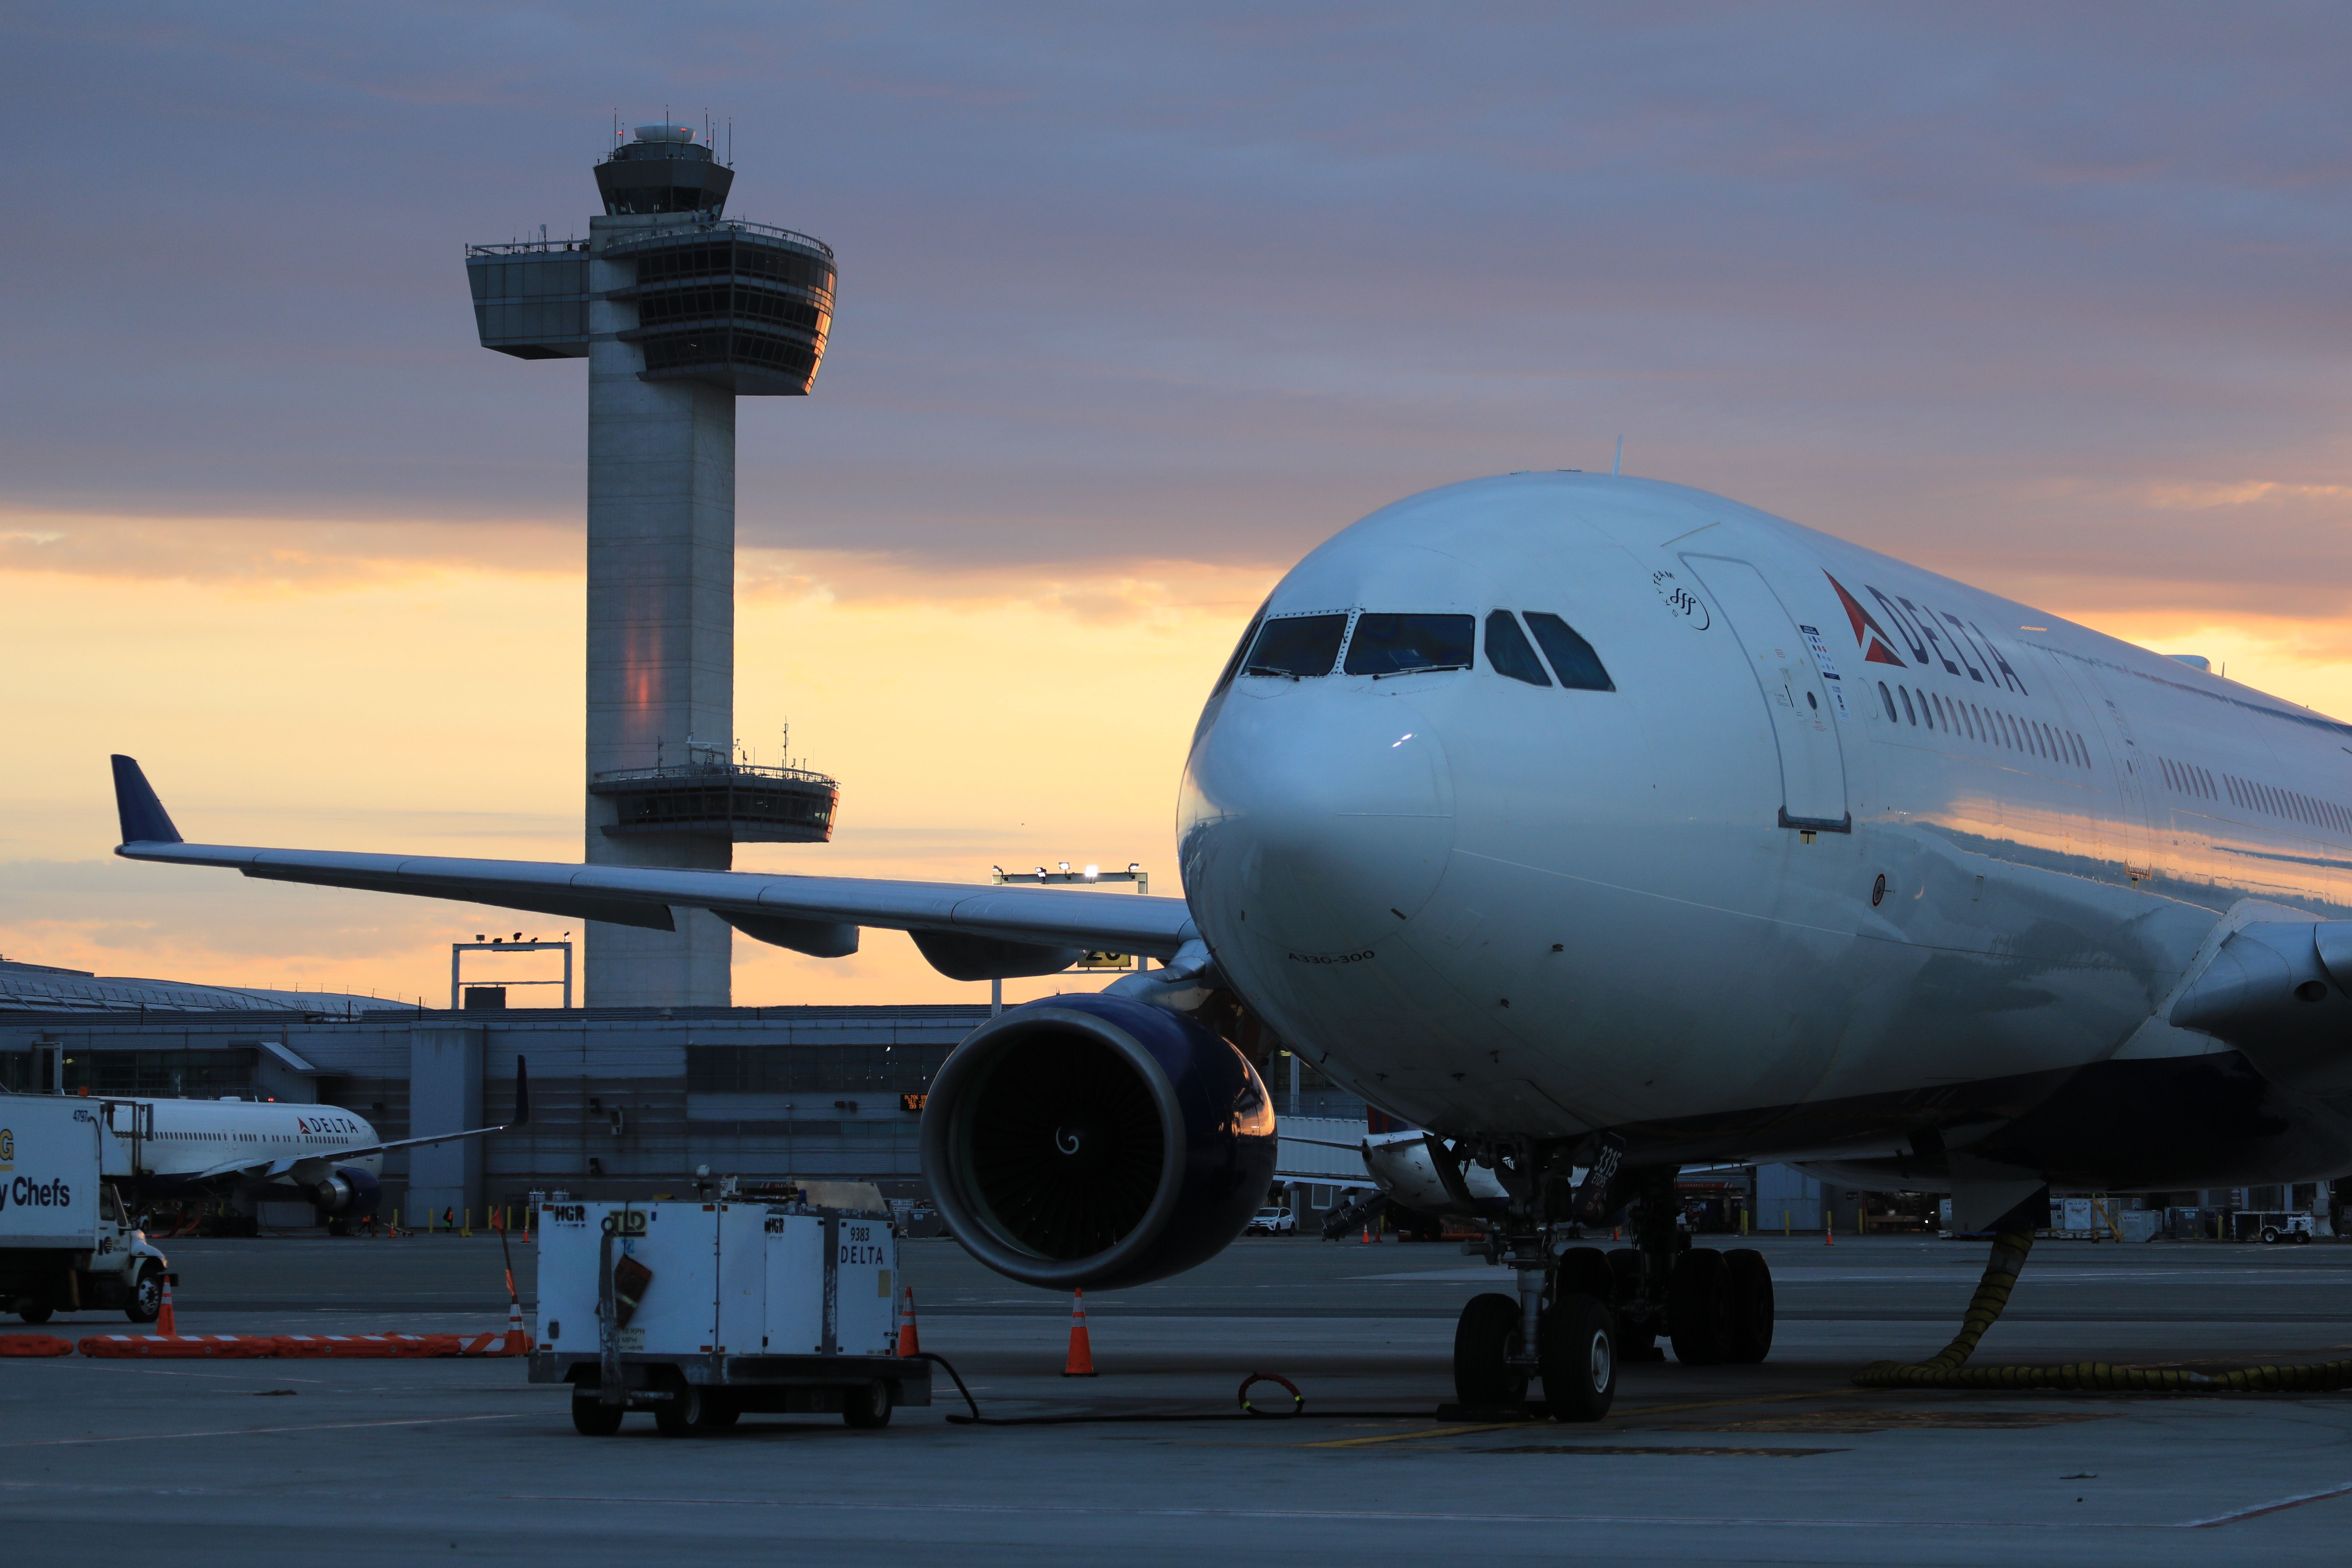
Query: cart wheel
{"points": [[2269, 1236], [685, 1411], [866, 1407], [33, 1311], [592, 1418]]}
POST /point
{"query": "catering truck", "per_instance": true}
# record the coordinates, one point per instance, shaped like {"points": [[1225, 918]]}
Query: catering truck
{"points": [[767, 1296], [66, 1246]]}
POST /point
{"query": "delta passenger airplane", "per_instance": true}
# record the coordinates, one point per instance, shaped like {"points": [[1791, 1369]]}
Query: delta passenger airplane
{"points": [[1598, 826]]}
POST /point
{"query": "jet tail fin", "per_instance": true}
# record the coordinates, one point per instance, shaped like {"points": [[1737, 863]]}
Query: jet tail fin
{"points": [[144, 820]]}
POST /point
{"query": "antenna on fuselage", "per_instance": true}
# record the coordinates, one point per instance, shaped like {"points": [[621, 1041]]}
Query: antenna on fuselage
{"points": [[1617, 464]]}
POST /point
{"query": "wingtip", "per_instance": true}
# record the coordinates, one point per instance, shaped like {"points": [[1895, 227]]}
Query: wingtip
{"points": [[143, 819]]}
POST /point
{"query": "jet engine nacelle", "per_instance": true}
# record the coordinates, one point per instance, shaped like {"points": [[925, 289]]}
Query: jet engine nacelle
{"points": [[1096, 1141], [348, 1191]]}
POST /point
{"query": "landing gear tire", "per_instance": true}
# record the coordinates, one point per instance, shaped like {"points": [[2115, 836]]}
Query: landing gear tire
{"points": [[1578, 1347], [867, 1408], [1635, 1341], [1696, 1296], [591, 1417], [35, 1312], [1485, 1340], [1584, 1270], [1747, 1306]]}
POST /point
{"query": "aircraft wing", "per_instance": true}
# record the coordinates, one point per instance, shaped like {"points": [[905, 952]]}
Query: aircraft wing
{"points": [[2280, 992], [967, 933]]}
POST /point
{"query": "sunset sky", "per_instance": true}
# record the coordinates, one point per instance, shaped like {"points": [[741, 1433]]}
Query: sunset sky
{"points": [[1136, 304]]}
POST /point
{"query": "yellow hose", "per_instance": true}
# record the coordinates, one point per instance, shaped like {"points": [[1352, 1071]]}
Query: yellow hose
{"points": [[1946, 1369]]}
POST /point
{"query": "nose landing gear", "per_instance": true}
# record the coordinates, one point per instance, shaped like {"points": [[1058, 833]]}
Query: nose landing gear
{"points": [[1579, 1313]]}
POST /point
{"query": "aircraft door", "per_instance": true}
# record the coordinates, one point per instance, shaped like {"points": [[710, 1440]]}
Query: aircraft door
{"points": [[2131, 782], [1800, 702]]}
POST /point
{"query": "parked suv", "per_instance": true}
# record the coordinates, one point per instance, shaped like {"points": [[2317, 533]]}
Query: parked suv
{"points": [[1275, 1221]]}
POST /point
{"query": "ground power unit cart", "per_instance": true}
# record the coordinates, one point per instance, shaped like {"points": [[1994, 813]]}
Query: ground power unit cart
{"points": [[771, 1297]]}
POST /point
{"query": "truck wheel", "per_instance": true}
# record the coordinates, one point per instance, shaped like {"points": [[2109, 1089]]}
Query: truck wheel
{"points": [[591, 1417], [33, 1311], [866, 1407], [2269, 1236], [146, 1303]]}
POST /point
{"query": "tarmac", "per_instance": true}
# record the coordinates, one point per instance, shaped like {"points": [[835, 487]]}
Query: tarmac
{"points": [[267, 1463]]}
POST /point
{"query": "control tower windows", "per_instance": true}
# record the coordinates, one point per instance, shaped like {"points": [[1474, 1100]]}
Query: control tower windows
{"points": [[1509, 650], [1392, 644]]}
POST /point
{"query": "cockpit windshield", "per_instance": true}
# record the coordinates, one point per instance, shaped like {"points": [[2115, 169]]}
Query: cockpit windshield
{"points": [[1390, 644], [1297, 646]]}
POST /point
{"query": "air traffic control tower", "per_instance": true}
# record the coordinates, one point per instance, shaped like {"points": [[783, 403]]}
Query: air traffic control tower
{"points": [[679, 311]]}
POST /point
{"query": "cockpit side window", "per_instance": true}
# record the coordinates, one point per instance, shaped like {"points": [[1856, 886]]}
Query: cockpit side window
{"points": [[1297, 647], [1233, 665], [1508, 651], [1391, 643], [1572, 658]]}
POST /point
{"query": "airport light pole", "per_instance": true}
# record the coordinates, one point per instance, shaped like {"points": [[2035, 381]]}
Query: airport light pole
{"points": [[1084, 875]]}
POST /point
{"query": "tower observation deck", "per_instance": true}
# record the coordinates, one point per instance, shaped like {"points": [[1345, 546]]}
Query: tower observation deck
{"points": [[679, 311]]}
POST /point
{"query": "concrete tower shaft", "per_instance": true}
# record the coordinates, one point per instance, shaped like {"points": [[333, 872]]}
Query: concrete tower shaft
{"points": [[661, 625], [678, 311]]}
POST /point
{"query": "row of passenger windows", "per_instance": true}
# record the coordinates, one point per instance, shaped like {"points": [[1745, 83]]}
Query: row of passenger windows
{"points": [[2288, 804], [1989, 726], [2188, 778], [1380, 643]]}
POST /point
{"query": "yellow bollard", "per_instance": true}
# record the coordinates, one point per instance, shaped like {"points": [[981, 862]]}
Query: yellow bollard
{"points": [[468, 1227], [1784, 1223], [395, 1222]]}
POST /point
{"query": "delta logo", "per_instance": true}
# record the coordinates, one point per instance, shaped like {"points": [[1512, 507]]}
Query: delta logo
{"points": [[1876, 646], [1961, 646]]}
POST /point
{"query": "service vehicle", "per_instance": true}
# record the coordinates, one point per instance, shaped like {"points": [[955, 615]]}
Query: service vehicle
{"points": [[66, 1245], [770, 1296], [1274, 1221]]}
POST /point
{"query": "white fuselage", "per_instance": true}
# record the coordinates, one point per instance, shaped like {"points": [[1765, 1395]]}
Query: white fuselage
{"points": [[1824, 876], [180, 1138]]}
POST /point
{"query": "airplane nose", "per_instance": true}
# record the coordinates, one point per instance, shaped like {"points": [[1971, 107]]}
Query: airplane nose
{"points": [[1316, 820]]}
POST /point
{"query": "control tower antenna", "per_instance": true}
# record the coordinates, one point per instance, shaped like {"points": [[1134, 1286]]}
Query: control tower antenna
{"points": [[678, 311]]}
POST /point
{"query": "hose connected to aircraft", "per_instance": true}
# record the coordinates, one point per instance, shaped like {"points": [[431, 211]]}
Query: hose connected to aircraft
{"points": [[1948, 1369]]}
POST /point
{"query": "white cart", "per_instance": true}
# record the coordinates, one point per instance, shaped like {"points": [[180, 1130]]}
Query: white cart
{"points": [[756, 1300]]}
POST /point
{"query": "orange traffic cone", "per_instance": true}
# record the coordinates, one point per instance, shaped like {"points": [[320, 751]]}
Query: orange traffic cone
{"points": [[165, 1322], [1829, 1231], [517, 1341], [909, 1342], [1081, 1363], [1368, 1235]]}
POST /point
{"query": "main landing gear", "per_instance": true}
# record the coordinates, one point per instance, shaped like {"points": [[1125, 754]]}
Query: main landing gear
{"points": [[1581, 1311]]}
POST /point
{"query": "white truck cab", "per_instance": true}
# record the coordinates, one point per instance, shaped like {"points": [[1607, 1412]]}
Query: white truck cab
{"points": [[65, 1244]]}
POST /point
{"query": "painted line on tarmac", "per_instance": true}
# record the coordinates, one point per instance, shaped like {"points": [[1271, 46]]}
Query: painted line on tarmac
{"points": [[256, 1431], [2281, 1506], [1413, 1437], [1646, 1410], [1353, 1515]]}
